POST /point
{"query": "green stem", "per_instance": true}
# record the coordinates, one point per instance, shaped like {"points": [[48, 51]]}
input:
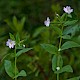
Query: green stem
{"points": [[60, 42], [59, 53], [15, 62], [57, 76], [60, 38]]}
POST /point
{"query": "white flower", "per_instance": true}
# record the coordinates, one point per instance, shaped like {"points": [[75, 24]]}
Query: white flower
{"points": [[59, 49], [68, 9], [10, 43], [58, 68], [57, 15], [24, 45], [47, 22]]}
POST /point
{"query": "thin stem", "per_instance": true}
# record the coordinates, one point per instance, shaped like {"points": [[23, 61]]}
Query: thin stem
{"points": [[15, 62], [59, 53], [57, 76], [60, 42], [60, 38]]}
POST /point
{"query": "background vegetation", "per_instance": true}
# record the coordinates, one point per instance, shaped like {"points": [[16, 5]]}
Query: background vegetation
{"points": [[30, 15]]}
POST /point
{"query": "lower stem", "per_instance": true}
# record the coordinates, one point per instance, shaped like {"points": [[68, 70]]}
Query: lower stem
{"points": [[57, 76], [15, 63]]}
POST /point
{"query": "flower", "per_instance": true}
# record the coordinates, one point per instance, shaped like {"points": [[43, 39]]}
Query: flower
{"points": [[68, 9], [59, 49], [24, 45], [58, 68], [47, 22], [10, 43], [57, 15]]}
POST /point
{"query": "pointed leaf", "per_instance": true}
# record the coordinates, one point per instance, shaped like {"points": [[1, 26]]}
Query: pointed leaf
{"points": [[66, 68], [23, 21], [15, 22], [71, 30], [54, 62], [8, 68], [75, 78], [21, 24], [22, 51], [11, 36], [69, 44], [9, 23], [49, 48], [63, 17], [60, 61], [57, 30], [17, 38], [69, 15], [66, 37], [67, 23], [22, 73]]}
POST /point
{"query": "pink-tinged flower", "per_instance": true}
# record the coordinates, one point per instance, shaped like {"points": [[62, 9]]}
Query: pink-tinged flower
{"points": [[47, 22], [10, 43], [68, 9]]}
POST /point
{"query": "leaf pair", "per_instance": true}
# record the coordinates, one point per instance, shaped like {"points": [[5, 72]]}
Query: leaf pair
{"points": [[9, 68], [57, 61], [53, 49]]}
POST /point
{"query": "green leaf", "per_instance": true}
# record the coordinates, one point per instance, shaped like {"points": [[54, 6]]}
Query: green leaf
{"points": [[69, 15], [67, 23], [22, 51], [18, 24], [60, 61], [75, 78], [10, 24], [15, 22], [69, 44], [22, 23], [66, 68], [38, 31], [20, 47], [50, 48], [71, 30], [17, 38], [8, 68], [57, 61], [57, 30], [37, 73], [66, 37], [54, 62], [11, 36], [63, 17], [21, 73]]}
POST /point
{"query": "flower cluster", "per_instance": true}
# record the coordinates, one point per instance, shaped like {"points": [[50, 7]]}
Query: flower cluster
{"points": [[66, 9]]}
